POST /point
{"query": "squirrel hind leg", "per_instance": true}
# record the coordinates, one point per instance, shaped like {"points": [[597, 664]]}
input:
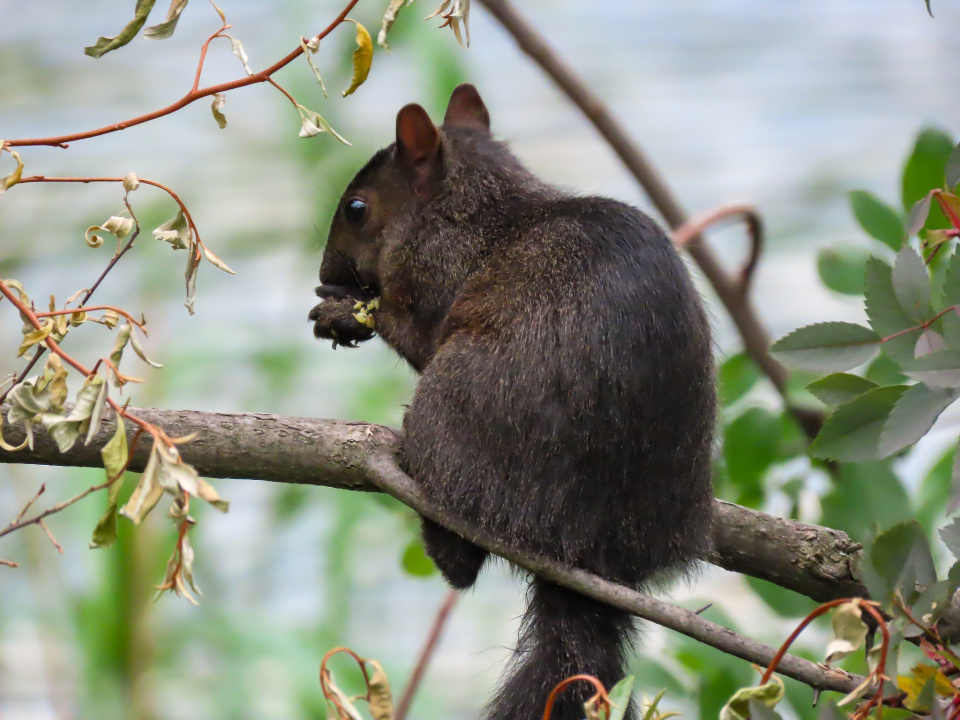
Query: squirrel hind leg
{"points": [[459, 560]]}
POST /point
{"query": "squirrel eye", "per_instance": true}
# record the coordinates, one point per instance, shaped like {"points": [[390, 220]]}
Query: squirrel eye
{"points": [[355, 211]]}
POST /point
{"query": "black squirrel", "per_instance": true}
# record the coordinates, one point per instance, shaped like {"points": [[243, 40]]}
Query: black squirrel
{"points": [[566, 402]]}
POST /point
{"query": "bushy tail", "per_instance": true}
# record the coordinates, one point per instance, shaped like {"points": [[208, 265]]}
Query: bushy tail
{"points": [[563, 634]]}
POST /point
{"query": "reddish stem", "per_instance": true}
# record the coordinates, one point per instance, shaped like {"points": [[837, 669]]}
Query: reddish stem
{"points": [[192, 96], [601, 692]]}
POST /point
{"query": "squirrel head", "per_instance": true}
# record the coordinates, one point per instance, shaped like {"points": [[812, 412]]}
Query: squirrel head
{"points": [[382, 202]]}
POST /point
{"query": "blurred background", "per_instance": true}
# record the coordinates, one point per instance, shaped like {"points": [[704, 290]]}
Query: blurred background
{"points": [[785, 105]]}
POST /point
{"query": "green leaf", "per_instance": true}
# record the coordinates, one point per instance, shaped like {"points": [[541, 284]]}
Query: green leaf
{"points": [[919, 213], [114, 455], [950, 535], [938, 369], [887, 316], [751, 445], [620, 698], [104, 45], [911, 284], [879, 220], [840, 388], [936, 490], [842, 269], [416, 562], [951, 283], [884, 371], [169, 24], [737, 375], [952, 169], [863, 495], [827, 347], [898, 559], [913, 416], [853, 432], [925, 167]]}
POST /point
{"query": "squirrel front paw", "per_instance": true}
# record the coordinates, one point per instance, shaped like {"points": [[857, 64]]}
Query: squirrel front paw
{"points": [[346, 321]]}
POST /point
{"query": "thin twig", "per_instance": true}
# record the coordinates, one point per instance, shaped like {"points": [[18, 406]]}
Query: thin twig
{"points": [[43, 526], [426, 654], [190, 97]]}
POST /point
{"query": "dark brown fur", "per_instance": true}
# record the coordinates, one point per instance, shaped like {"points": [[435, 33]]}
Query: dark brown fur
{"points": [[566, 403]]}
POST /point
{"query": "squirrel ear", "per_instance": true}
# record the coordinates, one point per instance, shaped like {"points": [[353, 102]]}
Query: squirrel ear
{"points": [[418, 144], [417, 136], [467, 110]]}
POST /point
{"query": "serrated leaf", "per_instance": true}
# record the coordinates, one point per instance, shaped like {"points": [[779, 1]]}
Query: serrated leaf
{"points": [[897, 560], [842, 269], [216, 107], [911, 284], [887, 316], [114, 454], [852, 432], [879, 220], [416, 562], [940, 369], [913, 416], [738, 707], [827, 347], [362, 58], [169, 24], [103, 45], [950, 534], [840, 388]]}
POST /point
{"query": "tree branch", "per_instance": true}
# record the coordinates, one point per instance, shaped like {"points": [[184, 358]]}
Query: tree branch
{"points": [[817, 562]]}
